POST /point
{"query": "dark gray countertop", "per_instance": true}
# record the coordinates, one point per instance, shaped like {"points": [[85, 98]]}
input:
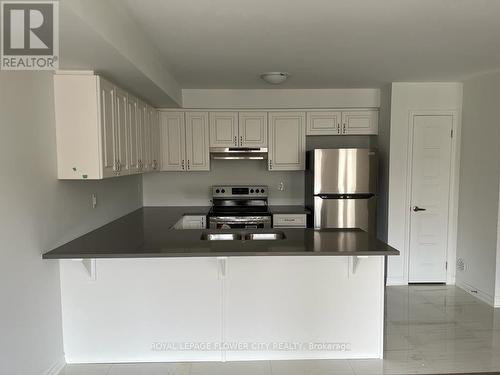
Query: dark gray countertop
{"points": [[147, 233]]}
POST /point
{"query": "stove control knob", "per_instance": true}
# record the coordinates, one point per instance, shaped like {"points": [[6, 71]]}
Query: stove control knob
{"points": [[261, 190], [223, 191], [251, 190], [217, 191]]}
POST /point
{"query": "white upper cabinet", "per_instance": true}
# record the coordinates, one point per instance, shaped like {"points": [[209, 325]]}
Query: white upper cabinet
{"points": [[122, 148], [155, 139], [197, 141], [238, 129], [172, 141], [223, 129], [360, 122], [134, 143], [252, 129], [109, 136], [287, 141], [184, 141], [324, 122], [99, 128]]}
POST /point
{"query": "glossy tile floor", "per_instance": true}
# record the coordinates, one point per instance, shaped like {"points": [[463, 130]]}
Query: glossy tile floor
{"points": [[429, 329]]}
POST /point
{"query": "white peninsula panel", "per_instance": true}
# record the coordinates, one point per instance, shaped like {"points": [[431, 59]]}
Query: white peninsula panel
{"points": [[222, 309]]}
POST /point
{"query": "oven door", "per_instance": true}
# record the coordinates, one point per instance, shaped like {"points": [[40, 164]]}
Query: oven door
{"points": [[239, 222]]}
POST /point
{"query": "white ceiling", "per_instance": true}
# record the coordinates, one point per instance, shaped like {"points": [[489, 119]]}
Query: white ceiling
{"points": [[321, 43]]}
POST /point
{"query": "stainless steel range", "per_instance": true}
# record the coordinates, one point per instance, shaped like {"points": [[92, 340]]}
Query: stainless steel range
{"points": [[239, 206]]}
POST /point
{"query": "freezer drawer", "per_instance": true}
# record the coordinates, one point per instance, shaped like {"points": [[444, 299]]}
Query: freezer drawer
{"points": [[345, 171], [345, 213]]}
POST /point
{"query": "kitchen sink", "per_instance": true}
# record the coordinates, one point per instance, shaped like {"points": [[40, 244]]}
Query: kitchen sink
{"points": [[221, 236], [243, 236], [265, 236]]}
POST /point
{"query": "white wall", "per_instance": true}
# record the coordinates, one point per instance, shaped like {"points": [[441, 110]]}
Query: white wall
{"points": [[280, 98], [407, 97], [37, 213], [479, 185], [193, 188], [383, 144]]}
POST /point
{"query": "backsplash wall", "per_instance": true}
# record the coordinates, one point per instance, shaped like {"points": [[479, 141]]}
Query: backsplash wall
{"points": [[193, 188]]}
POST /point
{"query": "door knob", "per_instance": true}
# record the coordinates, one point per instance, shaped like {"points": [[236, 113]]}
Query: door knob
{"points": [[416, 209]]}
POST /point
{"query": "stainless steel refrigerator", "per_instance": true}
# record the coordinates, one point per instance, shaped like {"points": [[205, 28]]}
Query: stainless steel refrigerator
{"points": [[341, 188]]}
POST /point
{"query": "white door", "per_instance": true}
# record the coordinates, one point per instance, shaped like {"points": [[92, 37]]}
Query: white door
{"points": [[121, 131], [323, 122], [172, 141], [108, 129], [360, 122], [133, 131], [430, 179], [197, 141], [252, 129], [223, 129], [287, 141]]}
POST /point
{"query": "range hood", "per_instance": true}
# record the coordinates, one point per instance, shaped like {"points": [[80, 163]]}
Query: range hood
{"points": [[238, 153]]}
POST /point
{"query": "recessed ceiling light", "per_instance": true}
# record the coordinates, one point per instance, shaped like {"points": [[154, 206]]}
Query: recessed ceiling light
{"points": [[274, 78]]}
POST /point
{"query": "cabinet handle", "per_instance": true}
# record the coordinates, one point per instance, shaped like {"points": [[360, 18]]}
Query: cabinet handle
{"points": [[182, 164]]}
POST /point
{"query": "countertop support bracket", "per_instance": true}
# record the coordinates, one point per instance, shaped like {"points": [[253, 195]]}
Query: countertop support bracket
{"points": [[354, 262], [91, 267]]}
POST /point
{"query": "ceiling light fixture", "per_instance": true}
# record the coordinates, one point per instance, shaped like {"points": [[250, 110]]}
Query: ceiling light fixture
{"points": [[274, 78]]}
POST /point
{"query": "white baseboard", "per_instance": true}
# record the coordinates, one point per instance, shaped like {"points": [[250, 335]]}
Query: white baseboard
{"points": [[478, 293], [56, 368]]}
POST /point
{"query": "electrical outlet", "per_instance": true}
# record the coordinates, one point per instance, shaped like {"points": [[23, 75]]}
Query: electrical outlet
{"points": [[460, 264], [281, 186], [94, 200]]}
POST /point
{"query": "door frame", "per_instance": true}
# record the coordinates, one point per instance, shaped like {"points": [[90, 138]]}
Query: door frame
{"points": [[451, 248]]}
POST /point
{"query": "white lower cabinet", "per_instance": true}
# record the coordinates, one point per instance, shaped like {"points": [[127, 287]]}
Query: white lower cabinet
{"points": [[184, 139], [289, 221], [287, 141]]}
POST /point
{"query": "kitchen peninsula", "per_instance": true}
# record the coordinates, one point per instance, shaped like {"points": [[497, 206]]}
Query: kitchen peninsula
{"points": [[136, 290]]}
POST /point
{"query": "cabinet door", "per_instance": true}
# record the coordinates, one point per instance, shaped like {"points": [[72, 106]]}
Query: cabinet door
{"points": [[146, 140], [360, 122], [197, 141], [287, 141], [134, 136], [141, 110], [323, 122], [172, 141], [122, 131], [109, 154], [155, 140], [223, 129], [252, 129]]}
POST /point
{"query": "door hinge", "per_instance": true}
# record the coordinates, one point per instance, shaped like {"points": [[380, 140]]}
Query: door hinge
{"points": [[446, 266], [451, 133]]}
